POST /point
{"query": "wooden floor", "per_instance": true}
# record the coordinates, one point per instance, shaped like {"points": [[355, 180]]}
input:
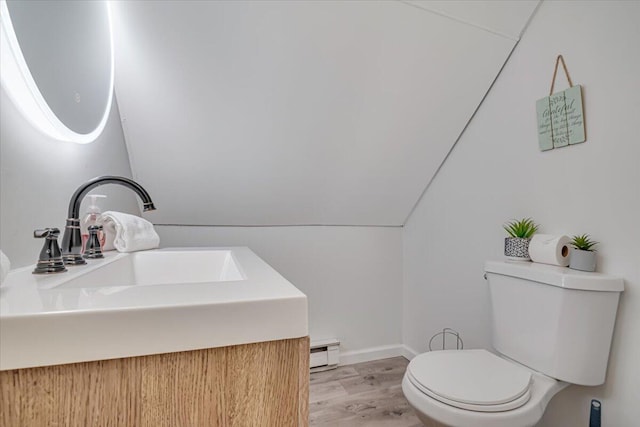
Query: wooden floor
{"points": [[366, 394]]}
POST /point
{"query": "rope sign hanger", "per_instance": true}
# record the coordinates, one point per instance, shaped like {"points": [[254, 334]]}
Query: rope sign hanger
{"points": [[555, 72]]}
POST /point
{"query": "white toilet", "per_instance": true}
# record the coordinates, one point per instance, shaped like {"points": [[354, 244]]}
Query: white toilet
{"points": [[552, 327]]}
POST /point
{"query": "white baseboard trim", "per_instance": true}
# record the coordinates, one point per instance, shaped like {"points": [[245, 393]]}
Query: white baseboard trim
{"points": [[376, 353], [408, 352], [369, 354]]}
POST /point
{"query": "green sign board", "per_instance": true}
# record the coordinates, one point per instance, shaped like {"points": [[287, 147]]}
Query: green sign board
{"points": [[561, 119]]}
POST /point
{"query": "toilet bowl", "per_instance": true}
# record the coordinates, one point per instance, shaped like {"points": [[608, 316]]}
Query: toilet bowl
{"points": [[476, 388]]}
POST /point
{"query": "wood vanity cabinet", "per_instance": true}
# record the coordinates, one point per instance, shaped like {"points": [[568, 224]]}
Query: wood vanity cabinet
{"points": [[261, 384]]}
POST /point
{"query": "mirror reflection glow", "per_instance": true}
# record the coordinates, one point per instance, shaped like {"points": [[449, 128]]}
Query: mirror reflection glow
{"points": [[58, 65]]}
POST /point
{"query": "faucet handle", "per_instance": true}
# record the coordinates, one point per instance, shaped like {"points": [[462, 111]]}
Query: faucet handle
{"points": [[50, 260], [51, 233], [92, 249]]}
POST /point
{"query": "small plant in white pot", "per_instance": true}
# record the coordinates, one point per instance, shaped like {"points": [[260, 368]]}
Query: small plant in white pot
{"points": [[583, 256], [516, 246]]}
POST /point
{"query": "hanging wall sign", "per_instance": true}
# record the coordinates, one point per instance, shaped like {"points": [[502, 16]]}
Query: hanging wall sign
{"points": [[560, 115]]}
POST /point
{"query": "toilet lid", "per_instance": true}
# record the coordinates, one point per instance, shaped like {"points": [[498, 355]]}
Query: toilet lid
{"points": [[471, 379]]}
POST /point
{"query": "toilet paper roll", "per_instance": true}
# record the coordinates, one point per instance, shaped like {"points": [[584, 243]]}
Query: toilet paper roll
{"points": [[550, 249]]}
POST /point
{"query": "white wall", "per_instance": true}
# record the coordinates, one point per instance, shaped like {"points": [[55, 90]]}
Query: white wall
{"points": [[38, 176], [352, 277], [496, 173], [279, 113]]}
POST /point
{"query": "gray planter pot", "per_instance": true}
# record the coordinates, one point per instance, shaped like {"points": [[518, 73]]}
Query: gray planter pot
{"points": [[582, 260], [517, 248]]}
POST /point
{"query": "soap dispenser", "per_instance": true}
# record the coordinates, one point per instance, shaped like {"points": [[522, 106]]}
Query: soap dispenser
{"points": [[90, 218]]}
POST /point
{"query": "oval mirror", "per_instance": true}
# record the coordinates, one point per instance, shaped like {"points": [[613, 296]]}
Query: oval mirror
{"points": [[57, 65]]}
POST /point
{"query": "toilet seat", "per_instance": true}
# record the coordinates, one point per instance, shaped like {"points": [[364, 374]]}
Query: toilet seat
{"points": [[474, 380]]}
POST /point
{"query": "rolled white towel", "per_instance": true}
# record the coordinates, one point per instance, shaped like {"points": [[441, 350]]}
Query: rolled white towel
{"points": [[127, 233], [5, 266]]}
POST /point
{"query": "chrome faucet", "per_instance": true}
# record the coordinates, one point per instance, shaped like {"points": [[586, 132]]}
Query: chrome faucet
{"points": [[72, 239]]}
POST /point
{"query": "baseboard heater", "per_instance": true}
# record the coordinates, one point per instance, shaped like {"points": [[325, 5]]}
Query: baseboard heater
{"points": [[325, 355]]}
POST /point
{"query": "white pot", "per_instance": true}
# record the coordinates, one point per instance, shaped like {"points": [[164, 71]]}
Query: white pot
{"points": [[582, 260]]}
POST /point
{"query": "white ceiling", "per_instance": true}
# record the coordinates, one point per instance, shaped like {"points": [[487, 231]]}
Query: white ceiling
{"points": [[271, 113]]}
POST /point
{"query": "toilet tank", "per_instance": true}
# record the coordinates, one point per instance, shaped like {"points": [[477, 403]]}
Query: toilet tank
{"points": [[552, 319]]}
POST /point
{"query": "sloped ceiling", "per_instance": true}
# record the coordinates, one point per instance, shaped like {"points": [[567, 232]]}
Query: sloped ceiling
{"points": [[272, 113], [503, 17]]}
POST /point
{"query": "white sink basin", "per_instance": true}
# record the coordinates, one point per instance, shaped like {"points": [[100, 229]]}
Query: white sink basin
{"points": [[149, 302], [162, 268]]}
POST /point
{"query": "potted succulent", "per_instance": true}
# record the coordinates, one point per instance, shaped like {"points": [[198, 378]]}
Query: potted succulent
{"points": [[583, 256], [516, 246]]}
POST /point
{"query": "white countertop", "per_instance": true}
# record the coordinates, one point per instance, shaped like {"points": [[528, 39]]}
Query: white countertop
{"points": [[44, 322]]}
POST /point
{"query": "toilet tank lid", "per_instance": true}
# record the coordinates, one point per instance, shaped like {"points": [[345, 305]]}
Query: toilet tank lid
{"points": [[562, 277]]}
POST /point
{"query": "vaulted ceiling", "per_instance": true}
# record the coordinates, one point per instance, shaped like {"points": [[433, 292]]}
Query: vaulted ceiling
{"points": [[271, 113]]}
